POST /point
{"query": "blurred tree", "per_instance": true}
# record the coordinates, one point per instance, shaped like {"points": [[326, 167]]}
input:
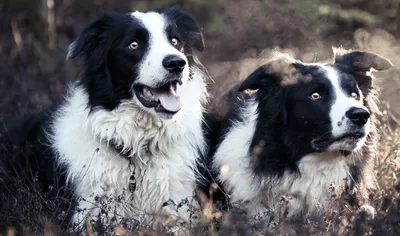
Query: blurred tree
{"points": [[34, 13]]}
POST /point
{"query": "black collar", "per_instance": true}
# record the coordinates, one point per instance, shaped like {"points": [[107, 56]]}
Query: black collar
{"points": [[123, 153]]}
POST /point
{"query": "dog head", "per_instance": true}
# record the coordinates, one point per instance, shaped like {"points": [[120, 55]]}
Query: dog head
{"points": [[142, 58], [318, 107]]}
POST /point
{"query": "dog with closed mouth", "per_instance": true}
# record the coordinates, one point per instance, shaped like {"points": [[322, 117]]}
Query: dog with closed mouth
{"points": [[129, 132], [302, 134]]}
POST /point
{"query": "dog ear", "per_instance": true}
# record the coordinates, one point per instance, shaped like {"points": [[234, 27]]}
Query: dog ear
{"points": [[256, 79], [187, 27], [90, 37], [280, 71], [360, 61]]}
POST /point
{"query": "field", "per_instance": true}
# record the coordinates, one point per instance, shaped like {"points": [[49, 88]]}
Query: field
{"points": [[34, 36]]}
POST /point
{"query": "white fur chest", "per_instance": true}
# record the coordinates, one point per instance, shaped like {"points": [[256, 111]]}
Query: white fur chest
{"points": [[164, 159], [233, 162], [321, 176]]}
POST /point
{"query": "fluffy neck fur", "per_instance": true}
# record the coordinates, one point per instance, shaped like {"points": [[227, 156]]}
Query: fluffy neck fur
{"points": [[130, 127]]}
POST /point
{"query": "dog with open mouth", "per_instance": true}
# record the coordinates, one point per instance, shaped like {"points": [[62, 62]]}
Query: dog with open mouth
{"points": [[127, 136], [303, 133]]}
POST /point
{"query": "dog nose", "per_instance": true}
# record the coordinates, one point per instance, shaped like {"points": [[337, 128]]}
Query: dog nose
{"points": [[174, 64], [358, 116]]}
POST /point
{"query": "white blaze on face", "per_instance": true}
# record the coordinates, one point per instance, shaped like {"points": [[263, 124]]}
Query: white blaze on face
{"points": [[342, 102], [151, 70]]}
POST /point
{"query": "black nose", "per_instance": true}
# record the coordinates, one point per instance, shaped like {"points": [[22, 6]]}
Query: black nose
{"points": [[174, 64], [358, 116]]}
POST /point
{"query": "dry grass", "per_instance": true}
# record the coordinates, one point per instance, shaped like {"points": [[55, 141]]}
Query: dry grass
{"points": [[32, 211]]}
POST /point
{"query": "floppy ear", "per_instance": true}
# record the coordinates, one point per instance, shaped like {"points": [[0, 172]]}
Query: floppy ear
{"points": [[279, 71], [360, 61], [187, 27], [256, 79], [91, 37]]}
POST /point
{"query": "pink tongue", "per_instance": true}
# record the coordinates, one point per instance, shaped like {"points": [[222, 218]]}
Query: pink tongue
{"points": [[169, 100]]}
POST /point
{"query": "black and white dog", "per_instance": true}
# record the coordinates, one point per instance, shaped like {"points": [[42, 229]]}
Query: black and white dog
{"points": [[129, 131], [304, 132]]}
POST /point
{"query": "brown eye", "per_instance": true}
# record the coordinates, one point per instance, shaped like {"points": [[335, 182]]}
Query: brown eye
{"points": [[134, 45], [315, 96], [354, 95], [174, 41]]}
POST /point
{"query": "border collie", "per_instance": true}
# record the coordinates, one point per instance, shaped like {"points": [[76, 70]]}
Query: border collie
{"points": [[129, 133], [303, 133]]}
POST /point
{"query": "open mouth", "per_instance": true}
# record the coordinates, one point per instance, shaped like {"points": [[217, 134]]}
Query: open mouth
{"points": [[324, 142], [163, 99]]}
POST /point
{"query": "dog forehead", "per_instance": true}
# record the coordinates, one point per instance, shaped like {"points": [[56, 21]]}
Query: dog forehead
{"points": [[314, 74], [154, 22], [342, 79], [331, 74]]}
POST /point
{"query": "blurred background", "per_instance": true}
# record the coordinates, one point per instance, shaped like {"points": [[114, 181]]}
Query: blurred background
{"points": [[35, 34]]}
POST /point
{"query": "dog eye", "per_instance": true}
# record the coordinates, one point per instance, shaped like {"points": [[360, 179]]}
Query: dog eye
{"points": [[315, 96], [134, 45], [354, 95], [174, 41]]}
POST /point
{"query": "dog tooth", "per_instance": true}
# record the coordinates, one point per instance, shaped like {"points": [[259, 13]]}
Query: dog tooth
{"points": [[147, 92]]}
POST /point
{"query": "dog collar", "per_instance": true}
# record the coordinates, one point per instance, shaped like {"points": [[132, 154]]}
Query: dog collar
{"points": [[128, 155]]}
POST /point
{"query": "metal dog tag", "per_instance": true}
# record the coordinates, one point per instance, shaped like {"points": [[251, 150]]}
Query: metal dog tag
{"points": [[132, 183], [132, 178]]}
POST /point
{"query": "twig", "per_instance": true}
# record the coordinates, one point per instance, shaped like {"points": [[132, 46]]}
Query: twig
{"points": [[394, 118], [11, 232], [16, 35], [51, 24], [89, 227]]}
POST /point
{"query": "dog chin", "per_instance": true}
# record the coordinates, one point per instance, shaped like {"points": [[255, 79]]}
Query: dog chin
{"points": [[166, 116], [347, 145]]}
